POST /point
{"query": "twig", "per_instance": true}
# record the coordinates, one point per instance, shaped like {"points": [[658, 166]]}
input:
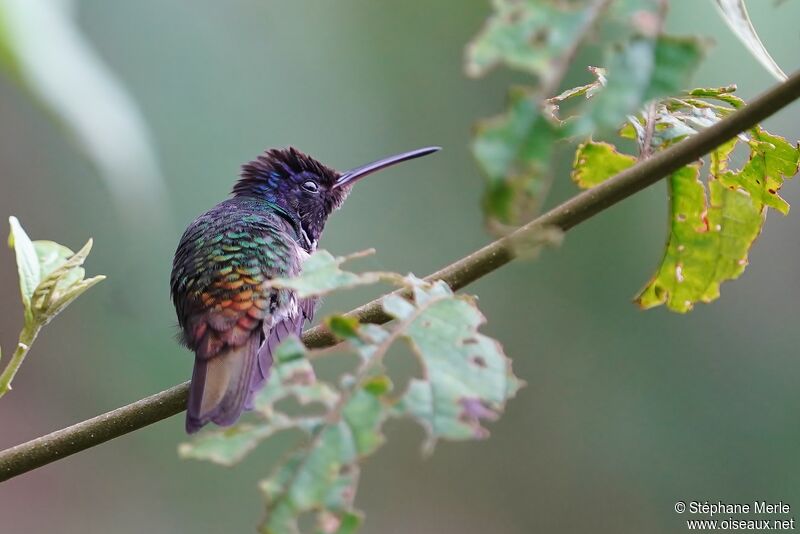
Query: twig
{"points": [[26, 339], [52, 447]]}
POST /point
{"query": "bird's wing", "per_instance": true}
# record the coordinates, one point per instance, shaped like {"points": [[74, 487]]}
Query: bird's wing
{"points": [[225, 306], [221, 271], [274, 334]]}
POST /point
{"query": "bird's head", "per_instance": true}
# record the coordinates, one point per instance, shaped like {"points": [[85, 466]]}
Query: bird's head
{"points": [[305, 187]]}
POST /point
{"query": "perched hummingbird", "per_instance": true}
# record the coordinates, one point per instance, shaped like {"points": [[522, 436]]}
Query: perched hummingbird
{"points": [[227, 314]]}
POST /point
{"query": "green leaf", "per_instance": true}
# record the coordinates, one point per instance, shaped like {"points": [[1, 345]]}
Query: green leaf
{"points": [[51, 277], [230, 445], [27, 262], [528, 35], [676, 59], [642, 70], [322, 477], [345, 424], [708, 242], [342, 326], [322, 274], [64, 283], [681, 116], [52, 255], [734, 13], [723, 94], [466, 376], [595, 162], [553, 104], [378, 385], [711, 227], [772, 159], [346, 523], [292, 375], [514, 151]]}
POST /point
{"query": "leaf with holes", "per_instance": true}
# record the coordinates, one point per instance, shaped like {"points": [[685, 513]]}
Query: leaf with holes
{"points": [[596, 162], [713, 226], [229, 446], [772, 160], [322, 477], [529, 35], [711, 233], [682, 115], [291, 376], [514, 152], [709, 239], [322, 274], [467, 377], [640, 71], [553, 105]]}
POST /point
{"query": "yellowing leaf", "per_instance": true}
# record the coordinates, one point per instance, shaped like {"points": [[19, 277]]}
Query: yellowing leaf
{"points": [[711, 228], [723, 94], [707, 243], [772, 159], [595, 162]]}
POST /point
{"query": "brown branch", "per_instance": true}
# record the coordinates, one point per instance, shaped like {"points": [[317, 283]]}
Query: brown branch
{"points": [[81, 436]]}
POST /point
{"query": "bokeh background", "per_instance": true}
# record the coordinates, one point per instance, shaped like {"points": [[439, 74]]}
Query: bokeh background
{"points": [[625, 411]]}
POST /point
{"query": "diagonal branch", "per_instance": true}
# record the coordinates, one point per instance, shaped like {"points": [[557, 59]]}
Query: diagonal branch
{"points": [[81, 436]]}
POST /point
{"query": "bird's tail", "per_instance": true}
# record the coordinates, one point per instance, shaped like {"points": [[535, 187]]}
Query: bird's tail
{"points": [[220, 385]]}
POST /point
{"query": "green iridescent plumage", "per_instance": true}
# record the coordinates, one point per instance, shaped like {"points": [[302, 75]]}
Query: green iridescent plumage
{"points": [[228, 314]]}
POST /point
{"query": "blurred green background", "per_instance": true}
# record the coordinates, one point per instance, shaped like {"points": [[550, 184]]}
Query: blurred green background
{"points": [[625, 412]]}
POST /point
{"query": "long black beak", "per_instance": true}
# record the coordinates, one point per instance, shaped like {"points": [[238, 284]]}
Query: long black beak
{"points": [[352, 175]]}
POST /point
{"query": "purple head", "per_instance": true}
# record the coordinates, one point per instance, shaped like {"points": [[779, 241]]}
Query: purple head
{"points": [[305, 187]]}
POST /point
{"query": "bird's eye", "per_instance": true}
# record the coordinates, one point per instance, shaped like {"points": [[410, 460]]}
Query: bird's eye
{"points": [[311, 186]]}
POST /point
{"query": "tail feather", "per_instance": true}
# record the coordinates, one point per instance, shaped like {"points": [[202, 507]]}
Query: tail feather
{"points": [[276, 334], [220, 385]]}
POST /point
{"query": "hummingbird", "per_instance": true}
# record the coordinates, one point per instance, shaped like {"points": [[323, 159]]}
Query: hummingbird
{"points": [[228, 314]]}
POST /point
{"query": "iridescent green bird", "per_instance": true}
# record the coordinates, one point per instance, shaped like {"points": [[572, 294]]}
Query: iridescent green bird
{"points": [[227, 313]]}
